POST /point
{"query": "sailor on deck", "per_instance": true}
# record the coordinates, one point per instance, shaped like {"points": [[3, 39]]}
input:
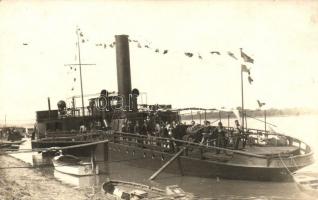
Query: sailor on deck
{"points": [[206, 132], [220, 142], [237, 134]]}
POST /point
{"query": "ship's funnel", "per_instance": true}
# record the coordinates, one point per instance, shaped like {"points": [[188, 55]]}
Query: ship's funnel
{"points": [[123, 67]]}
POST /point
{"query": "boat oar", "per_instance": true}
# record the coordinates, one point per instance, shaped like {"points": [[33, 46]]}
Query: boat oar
{"points": [[167, 164]]}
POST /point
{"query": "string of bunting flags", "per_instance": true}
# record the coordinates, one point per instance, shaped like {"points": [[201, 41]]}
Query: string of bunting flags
{"points": [[166, 51], [245, 59]]}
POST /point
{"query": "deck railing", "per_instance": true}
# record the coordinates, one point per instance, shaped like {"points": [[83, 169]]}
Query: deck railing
{"points": [[171, 145], [74, 136]]}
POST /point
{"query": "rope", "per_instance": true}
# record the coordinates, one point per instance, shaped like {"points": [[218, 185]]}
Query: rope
{"points": [[290, 173], [296, 165], [44, 166], [55, 148]]}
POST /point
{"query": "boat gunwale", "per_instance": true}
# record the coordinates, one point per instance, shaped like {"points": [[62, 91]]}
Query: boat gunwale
{"points": [[310, 153], [221, 163], [188, 143]]}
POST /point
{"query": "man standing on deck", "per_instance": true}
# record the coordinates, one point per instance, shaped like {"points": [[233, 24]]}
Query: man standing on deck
{"points": [[206, 132], [220, 137], [237, 134]]}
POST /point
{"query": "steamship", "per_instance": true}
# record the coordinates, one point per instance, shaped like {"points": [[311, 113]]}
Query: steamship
{"points": [[108, 113]]}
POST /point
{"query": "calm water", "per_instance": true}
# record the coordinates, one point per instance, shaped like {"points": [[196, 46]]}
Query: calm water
{"points": [[302, 127]]}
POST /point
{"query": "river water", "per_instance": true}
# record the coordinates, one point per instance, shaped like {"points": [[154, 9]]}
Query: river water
{"points": [[303, 127]]}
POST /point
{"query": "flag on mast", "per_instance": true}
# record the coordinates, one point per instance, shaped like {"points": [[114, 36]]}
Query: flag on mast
{"points": [[250, 80], [246, 58], [245, 69], [232, 55]]}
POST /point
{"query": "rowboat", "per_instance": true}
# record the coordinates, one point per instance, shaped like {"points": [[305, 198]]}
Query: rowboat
{"points": [[10, 144], [115, 189], [73, 165]]}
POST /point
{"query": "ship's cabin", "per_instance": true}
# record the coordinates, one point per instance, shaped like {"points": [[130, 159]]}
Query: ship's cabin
{"points": [[104, 112]]}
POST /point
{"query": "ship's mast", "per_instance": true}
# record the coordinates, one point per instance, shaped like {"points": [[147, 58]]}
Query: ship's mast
{"points": [[80, 64], [80, 69], [242, 94]]}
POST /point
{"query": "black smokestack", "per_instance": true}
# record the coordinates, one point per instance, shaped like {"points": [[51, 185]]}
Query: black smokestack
{"points": [[123, 67]]}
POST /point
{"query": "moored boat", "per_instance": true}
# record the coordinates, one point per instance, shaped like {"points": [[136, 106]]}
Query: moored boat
{"points": [[131, 129], [115, 189], [72, 165], [264, 162], [11, 145], [11, 137]]}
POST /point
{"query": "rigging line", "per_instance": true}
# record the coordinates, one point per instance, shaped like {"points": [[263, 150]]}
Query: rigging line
{"points": [[62, 148], [45, 166], [295, 164], [290, 173], [72, 64], [86, 95]]}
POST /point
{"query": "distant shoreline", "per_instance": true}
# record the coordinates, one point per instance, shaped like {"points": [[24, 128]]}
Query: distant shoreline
{"points": [[273, 112], [250, 113]]}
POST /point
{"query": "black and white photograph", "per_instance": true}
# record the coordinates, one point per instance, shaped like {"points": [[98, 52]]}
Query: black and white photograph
{"points": [[182, 100]]}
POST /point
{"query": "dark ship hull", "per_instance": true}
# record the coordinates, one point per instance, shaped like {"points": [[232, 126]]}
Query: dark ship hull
{"points": [[202, 161]]}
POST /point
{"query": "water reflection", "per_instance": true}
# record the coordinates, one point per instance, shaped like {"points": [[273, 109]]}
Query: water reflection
{"points": [[207, 187]]}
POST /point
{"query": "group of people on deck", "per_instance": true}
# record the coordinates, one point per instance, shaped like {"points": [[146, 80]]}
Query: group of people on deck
{"points": [[204, 134], [158, 129], [217, 136]]}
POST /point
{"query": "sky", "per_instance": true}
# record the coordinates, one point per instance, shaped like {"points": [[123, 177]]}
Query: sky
{"points": [[38, 38]]}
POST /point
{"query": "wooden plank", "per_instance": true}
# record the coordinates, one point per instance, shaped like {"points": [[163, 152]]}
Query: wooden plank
{"points": [[166, 164]]}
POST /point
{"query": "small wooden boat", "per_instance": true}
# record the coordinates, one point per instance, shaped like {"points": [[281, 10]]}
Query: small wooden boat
{"points": [[72, 165], [307, 183], [115, 189], [10, 144]]}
